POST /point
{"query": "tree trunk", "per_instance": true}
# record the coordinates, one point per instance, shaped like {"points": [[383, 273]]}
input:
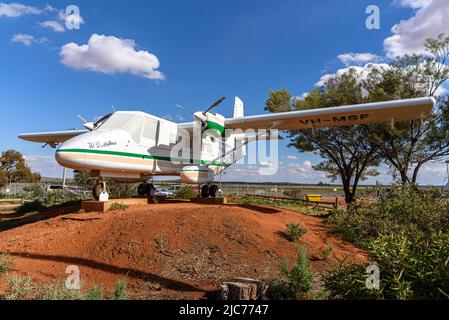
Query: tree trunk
{"points": [[349, 196]]}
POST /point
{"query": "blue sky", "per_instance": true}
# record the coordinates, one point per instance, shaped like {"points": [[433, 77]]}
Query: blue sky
{"points": [[206, 49]]}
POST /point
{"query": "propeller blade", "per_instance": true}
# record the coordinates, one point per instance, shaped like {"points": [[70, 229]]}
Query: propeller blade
{"points": [[83, 120], [185, 109], [214, 105]]}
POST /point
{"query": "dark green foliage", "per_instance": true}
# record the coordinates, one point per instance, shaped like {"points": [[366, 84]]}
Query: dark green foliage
{"points": [[348, 281], [186, 193], [119, 291], [294, 232], [29, 207], [118, 206], [6, 263], [407, 234], [298, 279]]}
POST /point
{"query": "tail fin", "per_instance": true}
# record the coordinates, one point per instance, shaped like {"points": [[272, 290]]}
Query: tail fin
{"points": [[239, 110]]}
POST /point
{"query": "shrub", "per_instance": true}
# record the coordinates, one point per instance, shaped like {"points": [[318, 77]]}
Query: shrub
{"points": [[327, 253], [406, 232], [298, 279], [29, 207], [57, 197], [118, 206], [347, 281], [186, 193], [119, 291], [6, 263], [19, 288], [294, 232]]}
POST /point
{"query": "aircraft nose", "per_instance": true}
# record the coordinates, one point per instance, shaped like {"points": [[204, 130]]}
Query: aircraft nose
{"points": [[71, 154]]}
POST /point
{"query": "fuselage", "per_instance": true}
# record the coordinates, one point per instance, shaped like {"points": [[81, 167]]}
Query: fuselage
{"points": [[133, 146]]}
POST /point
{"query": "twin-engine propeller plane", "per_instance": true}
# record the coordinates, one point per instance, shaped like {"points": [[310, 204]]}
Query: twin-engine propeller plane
{"points": [[133, 146]]}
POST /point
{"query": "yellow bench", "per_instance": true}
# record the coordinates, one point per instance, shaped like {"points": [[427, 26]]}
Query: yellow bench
{"points": [[314, 198]]}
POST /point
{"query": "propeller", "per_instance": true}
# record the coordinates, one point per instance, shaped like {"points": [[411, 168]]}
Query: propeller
{"points": [[202, 116], [214, 105], [86, 124]]}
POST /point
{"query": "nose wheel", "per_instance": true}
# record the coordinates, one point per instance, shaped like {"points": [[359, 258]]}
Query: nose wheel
{"points": [[209, 191], [100, 192]]}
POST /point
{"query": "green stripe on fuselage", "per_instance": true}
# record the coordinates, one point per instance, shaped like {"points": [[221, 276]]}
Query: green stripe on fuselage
{"points": [[141, 156]]}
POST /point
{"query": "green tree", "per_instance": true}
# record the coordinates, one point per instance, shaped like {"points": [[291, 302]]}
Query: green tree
{"points": [[3, 178], [15, 169], [407, 146], [347, 154]]}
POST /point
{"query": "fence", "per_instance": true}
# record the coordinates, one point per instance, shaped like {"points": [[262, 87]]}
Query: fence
{"points": [[319, 204]]}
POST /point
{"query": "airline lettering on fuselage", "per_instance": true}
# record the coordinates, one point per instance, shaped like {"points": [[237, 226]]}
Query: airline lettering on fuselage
{"points": [[341, 119], [99, 144]]}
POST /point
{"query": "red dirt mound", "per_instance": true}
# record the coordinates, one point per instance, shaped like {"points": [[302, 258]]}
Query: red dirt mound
{"points": [[177, 250]]}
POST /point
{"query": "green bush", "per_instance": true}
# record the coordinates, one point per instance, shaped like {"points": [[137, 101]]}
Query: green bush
{"points": [[6, 263], [57, 197], [19, 288], [118, 206], [186, 193], [29, 207], [298, 279], [119, 291], [294, 232], [406, 232], [348, 281]]}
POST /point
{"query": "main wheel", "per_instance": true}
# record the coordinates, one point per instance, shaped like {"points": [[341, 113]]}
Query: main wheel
{"points": [[205, 191], [149, 190], [141, 190], [213, 191]]}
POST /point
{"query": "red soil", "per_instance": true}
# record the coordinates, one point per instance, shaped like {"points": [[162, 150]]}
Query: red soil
{"points": [[176, 250]]}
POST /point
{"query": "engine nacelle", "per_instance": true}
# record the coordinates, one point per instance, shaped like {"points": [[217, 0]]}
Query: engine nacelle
{"points": [[196, 175]]}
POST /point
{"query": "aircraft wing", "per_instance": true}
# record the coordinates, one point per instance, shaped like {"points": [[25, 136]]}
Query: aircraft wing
{"points": [[399, 110], [52, 138]]}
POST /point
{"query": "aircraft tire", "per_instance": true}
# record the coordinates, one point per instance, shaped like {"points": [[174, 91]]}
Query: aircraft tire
{"points": [[97, 190], [213, 191], [205, 191], [141, 190]]}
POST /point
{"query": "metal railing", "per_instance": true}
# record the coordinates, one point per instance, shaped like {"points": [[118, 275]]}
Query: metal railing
{"points": [[319, 204]]}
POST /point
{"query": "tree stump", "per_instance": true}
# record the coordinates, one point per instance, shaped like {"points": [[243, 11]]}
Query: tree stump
{"points": [[241, 289]]}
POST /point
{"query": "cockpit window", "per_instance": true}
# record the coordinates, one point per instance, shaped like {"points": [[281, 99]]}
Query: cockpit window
{"points": [[141, 128], [117, 120], [102, 120]]}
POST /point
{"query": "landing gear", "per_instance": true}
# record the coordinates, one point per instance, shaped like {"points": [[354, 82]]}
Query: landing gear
{"points": [[205, 191], [146, 189], [209, 191], [213, 191], [100, 192]]}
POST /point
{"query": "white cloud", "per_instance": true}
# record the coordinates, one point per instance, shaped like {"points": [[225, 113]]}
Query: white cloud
{"points": [[429, 21], [110, 55], [27, 39], [362, 71], [178, 117], [56, 26], [46, 166], [168, 117], [357, 58], [14, 10], [289, 157]]}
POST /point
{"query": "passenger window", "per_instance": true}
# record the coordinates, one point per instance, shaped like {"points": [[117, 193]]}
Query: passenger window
{"points": [[149, 132], [134, 128]]}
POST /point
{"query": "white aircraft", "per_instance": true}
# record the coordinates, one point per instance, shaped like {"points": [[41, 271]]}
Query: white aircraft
{"points": [[131, 146]]}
